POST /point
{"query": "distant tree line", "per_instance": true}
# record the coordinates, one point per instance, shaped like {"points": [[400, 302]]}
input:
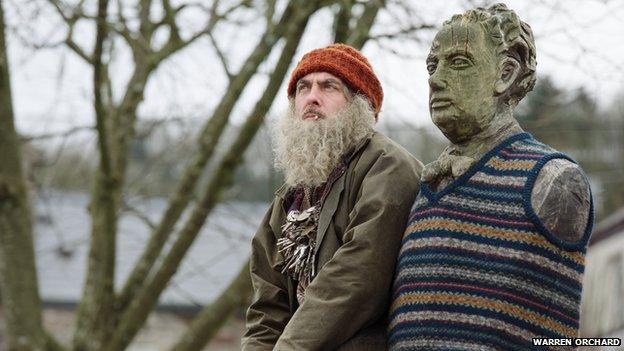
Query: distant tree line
{"points": [[568, 120], [572, 122]]}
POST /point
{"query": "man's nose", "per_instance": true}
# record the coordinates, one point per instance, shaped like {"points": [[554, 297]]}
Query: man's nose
{"points": [[314, 96]]}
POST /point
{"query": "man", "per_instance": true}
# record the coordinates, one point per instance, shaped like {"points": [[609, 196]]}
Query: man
{"points": [[494, 251], [323, 259]]}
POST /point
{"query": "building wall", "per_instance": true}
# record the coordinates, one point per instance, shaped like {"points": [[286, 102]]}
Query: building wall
{"points": [[602, 308]]}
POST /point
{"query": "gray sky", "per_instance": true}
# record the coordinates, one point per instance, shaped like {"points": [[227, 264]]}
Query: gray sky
{"points": [[580, 44]]}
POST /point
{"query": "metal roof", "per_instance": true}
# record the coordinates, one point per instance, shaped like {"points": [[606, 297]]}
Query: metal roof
{"points": [[62, 229]]}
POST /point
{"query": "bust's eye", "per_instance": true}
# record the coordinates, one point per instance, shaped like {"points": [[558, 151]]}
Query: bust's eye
{"points": [[431, 68], [460, 62]]}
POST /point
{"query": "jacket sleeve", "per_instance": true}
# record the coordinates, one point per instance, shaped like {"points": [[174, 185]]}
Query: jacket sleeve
{"points": [[352, 290], [269, 311]]}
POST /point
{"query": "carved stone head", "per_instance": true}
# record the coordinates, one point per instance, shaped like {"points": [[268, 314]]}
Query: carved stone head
{"points": [[481, 63]]}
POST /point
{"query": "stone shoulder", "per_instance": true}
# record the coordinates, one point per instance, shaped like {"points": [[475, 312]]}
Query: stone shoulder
{"points": [[561, 190]]}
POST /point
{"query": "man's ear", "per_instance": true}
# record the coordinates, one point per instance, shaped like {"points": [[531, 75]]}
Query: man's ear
{"points": [[509, 70]]}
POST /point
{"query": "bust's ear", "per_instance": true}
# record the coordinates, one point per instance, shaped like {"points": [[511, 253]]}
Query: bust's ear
{"points": [[509, 70]]}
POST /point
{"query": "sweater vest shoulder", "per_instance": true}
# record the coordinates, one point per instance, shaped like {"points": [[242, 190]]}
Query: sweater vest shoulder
{"points": [[478, 269]]}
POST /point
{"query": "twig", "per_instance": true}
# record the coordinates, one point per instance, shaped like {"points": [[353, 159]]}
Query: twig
{"points": [[65, 134]]}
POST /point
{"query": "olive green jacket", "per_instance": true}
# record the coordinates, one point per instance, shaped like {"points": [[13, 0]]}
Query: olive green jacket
{"points": [[359, 234]]}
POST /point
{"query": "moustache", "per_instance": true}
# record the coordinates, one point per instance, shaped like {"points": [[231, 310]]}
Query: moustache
{"points": [[313, 111]]}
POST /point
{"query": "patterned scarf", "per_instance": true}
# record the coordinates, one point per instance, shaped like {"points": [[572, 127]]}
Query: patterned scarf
{"points": [[298, 244]]}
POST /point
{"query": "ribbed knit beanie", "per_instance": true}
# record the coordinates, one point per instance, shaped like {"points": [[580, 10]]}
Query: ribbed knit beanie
{"points": [[346, 63]]}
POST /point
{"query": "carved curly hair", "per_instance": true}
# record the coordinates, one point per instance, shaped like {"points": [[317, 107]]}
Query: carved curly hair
{"points": [[514, 39]]}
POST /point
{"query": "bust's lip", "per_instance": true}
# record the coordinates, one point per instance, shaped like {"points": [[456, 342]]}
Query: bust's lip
{"points": [[440, 102]]}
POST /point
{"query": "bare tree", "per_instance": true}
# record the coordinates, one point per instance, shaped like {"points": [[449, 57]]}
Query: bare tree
{"points": [[109, 319], [20, 292]]}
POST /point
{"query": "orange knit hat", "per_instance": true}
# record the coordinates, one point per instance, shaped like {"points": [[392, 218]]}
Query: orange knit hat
{"points": [[346, 63]]}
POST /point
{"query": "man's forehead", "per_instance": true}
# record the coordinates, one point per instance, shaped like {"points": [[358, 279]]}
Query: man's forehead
{"points": [[320, 77]]}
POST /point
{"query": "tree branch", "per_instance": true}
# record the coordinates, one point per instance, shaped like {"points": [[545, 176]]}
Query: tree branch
{"points": [[207, 141], [126, 207], [121, 28], [65, 134], [146, 27], [78, 50], [149, 292], [169, 19], [212, 317], [403, 32], [270, 11], [360, 33], [175, 43], [70, 21], [341, 22], [221, 57]]}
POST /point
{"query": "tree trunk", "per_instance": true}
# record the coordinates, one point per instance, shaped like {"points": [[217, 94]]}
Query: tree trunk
{"points": [[341, 23], [206, 325], [20, 293], [208, 139], [147, 296], [95, 320], [360, 33], [237, 294]]}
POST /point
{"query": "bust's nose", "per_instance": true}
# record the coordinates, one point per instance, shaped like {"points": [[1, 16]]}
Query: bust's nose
{"points": [[435, 83]]}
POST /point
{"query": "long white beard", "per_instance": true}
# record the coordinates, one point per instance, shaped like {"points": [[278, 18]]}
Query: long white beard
{"points": [[308, 150]]}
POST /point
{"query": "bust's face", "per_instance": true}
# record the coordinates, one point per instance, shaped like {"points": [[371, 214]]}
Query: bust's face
{"points": [[463, 68]]}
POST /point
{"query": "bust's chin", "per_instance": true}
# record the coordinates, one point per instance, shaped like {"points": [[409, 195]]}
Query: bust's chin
{"points": [[456, 130], [447, 123], [454, 136], [444, 120]]}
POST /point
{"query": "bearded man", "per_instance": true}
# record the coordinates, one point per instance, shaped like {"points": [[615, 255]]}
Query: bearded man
{"points": [[493, 255], [323, 258]]}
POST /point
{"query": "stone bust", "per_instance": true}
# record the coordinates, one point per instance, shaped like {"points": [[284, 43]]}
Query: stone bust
{"points": [[480, 68]]}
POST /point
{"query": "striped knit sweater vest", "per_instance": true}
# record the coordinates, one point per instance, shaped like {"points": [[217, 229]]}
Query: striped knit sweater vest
{"points": [[478, 270]]}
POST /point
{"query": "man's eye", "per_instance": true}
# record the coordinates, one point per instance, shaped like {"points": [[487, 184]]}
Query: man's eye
{"points": [[301, 88]]}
